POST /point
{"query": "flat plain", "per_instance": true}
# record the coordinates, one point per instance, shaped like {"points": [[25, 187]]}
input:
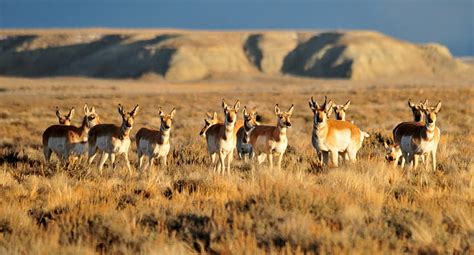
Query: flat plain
{"points": [[360, 208]]}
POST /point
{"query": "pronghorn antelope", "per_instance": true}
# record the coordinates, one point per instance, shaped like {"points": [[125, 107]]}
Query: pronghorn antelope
{"points": [[418, 119], [418, 139], [65, 119], [266, 140], [112, 139], [334, 136], [340, 110], [155, 143], [208, 122], [68, 141], [250, 122], [417, 110], [393, 153], [211, 138], [221, 138]]}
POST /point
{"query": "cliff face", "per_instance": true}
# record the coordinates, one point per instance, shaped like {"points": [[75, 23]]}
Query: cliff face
{"points": [[195, 55]]}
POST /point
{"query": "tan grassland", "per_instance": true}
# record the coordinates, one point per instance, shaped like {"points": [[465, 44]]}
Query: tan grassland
{"points": [[362, 208]]}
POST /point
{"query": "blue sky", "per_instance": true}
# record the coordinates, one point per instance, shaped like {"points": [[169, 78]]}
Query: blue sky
{"points": [[450, 22]]}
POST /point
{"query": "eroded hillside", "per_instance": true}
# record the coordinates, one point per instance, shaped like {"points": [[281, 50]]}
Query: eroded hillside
{"points": [[195, 55]]}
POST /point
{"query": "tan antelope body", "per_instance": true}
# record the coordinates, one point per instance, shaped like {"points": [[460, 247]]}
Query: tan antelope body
{"points": [[250, 122], [66, 118], [340, 114], [155, 144], [111, 139], [334, 136], [68, 141], [393, 151], [266, 140], [212, 136], [417, 139], [221, 138]]}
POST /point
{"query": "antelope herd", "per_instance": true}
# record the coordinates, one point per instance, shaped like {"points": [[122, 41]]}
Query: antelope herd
{"points": [[331, 138]]}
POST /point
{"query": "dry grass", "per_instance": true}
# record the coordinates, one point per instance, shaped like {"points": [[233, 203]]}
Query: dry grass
{"points": [[367, 207]]}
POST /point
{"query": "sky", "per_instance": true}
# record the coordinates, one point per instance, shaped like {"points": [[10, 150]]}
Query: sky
{"points": [[449, 22]]}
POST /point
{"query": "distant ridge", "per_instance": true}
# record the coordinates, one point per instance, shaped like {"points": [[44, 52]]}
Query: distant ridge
{"points": [[181, 55]]}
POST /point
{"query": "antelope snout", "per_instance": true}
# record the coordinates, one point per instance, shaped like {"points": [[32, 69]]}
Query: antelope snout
{"points": [[229, 119]]}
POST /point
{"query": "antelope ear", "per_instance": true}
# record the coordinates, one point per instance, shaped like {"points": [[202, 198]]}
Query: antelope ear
{"points": [[244, 111], [277, 109], [86, 109], [290, 111], [410, 104], [120, 109], [58, 114], [385, 145], [347, 104], [160, 112], [71, 113], [329, 112], [92, 109], [214, 116], [172, 113], [237, 105], [328, 107], [425, 103], [438, 107], [134, 112], [224, 105], [209, 115]]}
